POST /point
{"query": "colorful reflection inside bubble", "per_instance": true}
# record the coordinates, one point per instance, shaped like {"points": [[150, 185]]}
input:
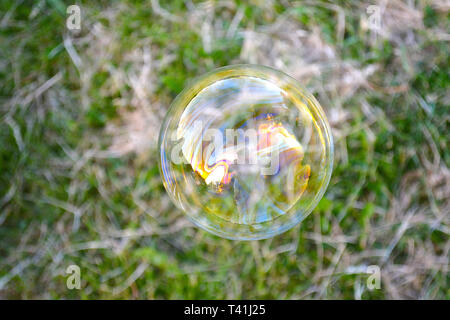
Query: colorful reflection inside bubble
{"points": [[245, 152]]}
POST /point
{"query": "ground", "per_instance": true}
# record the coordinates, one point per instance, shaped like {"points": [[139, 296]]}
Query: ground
{"points": [[79, 119]]}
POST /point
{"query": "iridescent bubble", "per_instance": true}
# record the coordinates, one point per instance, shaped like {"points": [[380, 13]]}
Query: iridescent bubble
{"points": [[245, 152]]}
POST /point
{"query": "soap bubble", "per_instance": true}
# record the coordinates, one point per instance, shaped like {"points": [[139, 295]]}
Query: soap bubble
{"points": [[245, 152]]}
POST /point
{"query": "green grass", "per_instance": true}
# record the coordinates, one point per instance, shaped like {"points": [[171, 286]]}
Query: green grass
{"points": [[73, 192]]}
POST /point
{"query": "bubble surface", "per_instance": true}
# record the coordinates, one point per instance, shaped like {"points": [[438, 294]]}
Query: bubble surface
{"points": [[246, 152]]}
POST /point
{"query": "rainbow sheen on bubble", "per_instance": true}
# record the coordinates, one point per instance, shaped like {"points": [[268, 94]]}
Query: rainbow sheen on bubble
{"points": [[245, 152]]}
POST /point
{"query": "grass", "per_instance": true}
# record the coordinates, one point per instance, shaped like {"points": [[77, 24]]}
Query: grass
{"points": [[79, 119]]}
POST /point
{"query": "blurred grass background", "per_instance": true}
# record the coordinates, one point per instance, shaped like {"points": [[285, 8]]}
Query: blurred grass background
{"points": [[79, 120]]}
